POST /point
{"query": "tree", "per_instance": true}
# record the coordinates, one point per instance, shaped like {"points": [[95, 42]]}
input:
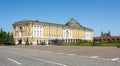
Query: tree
{"points": [[10, 39], [6, 38], [3, 36]]}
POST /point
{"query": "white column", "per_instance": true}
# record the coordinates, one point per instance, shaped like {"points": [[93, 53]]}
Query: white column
{"points": [[39, 30], [36, 30], [42, 31]]}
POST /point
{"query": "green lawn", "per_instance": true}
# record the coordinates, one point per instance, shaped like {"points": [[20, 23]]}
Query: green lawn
{"points": [[92, 44]]}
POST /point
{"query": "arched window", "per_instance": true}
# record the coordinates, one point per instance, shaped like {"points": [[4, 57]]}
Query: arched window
{"points": [[21, 31], [108, 40], [100, 40], [67, 34], [117, 39]]}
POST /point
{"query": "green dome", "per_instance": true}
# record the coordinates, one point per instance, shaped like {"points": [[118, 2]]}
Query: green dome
{"points": [[73, 23]]}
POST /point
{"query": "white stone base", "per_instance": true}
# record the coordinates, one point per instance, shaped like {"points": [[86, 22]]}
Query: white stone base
{"points": [[23, 43], [34, 43], [16, 43], [46, 43]]}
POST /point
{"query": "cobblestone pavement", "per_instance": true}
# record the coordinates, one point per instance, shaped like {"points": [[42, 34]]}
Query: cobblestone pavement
{"points": [[98, 51], [59, 56]]}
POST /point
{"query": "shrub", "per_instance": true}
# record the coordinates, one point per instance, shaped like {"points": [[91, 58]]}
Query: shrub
{"points": [[27, 42]]}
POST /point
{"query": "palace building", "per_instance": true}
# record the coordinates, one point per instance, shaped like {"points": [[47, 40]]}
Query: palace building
{"points": [[37, 32]]}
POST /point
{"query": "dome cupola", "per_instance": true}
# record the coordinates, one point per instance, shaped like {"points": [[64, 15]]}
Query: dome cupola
{"points": [[73, 23]]}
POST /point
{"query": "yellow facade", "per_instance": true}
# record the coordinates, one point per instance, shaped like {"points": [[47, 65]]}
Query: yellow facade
{"points": [[42, 32]]}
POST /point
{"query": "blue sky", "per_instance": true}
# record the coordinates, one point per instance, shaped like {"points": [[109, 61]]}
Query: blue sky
{"points": [[100, 15]]}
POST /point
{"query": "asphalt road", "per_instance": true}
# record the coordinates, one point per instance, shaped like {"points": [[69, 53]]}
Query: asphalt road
{"points": [[10, 56]]}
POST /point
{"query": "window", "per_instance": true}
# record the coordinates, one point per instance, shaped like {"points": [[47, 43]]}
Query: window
{"points": [[40, 33], [67, 34], [21, 31]]}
